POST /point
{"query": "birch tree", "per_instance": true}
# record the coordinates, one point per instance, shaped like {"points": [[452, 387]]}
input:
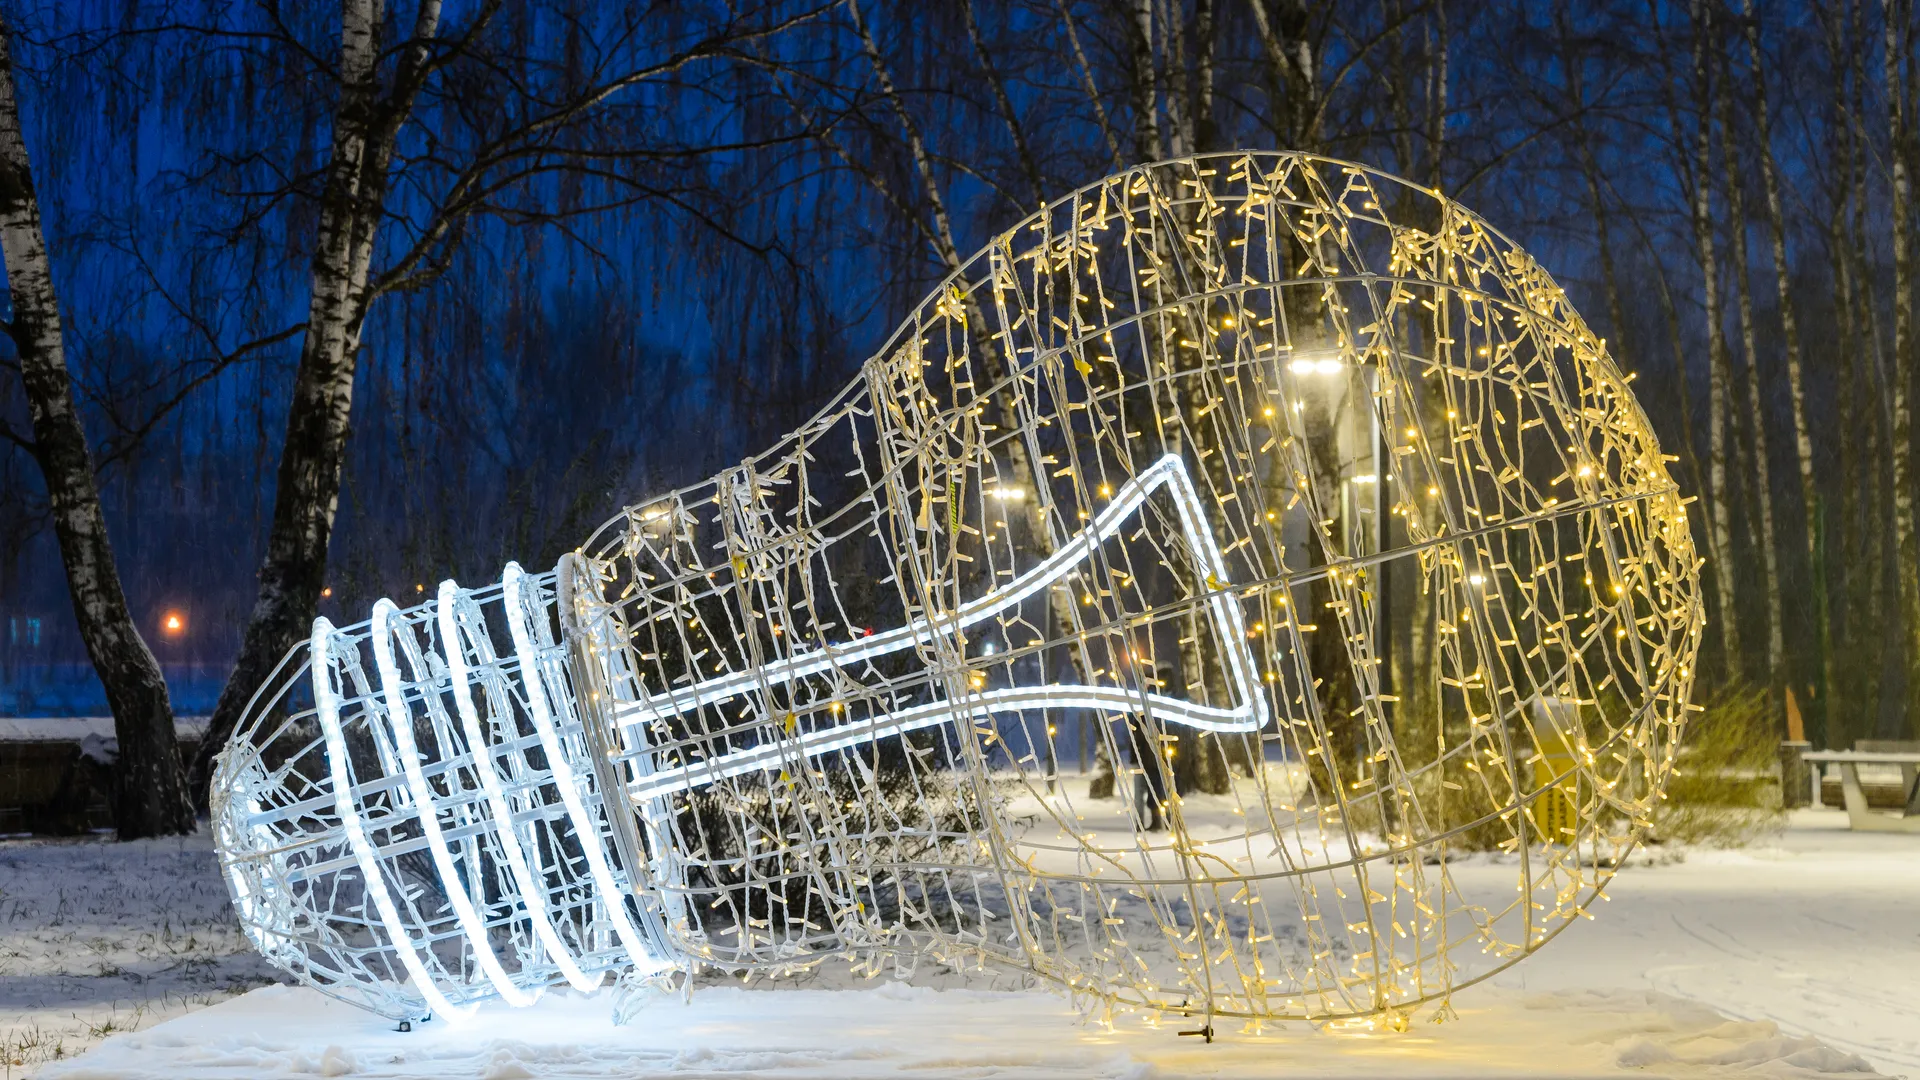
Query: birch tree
{"points": [[1762, 475], [1148, 145], [366, 124], [1165, 49], [1871, 531], [941, 237], [1720, 530], [1285, 29], [547, 131], [148, 794], [1790, 347]]}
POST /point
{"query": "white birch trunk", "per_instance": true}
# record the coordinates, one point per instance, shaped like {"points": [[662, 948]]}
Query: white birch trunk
{"points": [[1719, 391], [311, 459], [995, 368], [1756, 413], [1092, 89], [1291, 54], [148, 796], [1148, 146], [1836, 701], [1720, 531], [1023, 152]]}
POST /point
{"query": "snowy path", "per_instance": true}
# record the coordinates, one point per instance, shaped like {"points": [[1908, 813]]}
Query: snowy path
{"points": [[895, 1030], [1811, 944], [1818, 931]]}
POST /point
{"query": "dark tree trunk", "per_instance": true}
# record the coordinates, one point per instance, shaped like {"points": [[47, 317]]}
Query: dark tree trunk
{"points": [[148, 794], [1790, 343], [1906, 537]]}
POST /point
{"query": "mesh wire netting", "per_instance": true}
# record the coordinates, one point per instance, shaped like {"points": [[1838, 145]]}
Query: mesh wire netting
{"points": [[1194, 578]]}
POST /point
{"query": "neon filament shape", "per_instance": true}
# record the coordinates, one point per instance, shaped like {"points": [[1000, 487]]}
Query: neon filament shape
{"points": [[1249, 714]]}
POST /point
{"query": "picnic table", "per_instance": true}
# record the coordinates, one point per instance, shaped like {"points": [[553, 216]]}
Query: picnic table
{"points": [[1859, 816]]}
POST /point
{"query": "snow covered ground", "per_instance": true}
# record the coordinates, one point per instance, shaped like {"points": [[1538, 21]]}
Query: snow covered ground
{"points": [[1817, 931], [1797, 958], [98, 937]]}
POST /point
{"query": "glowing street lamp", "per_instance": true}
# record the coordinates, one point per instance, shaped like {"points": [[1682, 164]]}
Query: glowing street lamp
{"points": [[1324, 365]]}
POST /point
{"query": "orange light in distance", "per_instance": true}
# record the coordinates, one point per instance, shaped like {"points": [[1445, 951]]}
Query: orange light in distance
{"points": [[174, 624]]}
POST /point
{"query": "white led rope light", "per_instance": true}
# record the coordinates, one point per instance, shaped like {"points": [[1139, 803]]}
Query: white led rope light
{"points": [[247, 903], [400, 723], [584, 826], [326, 706], [1249, 715], [486, 765], [815, 743]]}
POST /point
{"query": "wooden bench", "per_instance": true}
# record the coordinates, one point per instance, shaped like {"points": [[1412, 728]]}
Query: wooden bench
{"points": [[1859, 815]]}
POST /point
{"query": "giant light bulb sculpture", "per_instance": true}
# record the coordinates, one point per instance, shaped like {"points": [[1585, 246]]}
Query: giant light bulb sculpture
{"points": [[1294, 495]]}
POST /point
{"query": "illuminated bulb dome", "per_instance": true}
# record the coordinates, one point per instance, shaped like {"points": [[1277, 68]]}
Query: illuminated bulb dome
{"points": [[1292, 496]]}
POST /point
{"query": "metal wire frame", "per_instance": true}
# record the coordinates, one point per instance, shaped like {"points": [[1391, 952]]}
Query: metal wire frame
{"points": [[1261, 471]]}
